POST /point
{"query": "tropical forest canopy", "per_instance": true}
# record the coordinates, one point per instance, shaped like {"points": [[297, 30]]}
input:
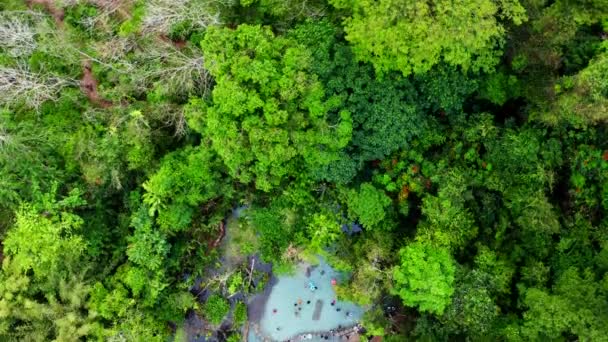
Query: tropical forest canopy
{"points": [[467, 139]]}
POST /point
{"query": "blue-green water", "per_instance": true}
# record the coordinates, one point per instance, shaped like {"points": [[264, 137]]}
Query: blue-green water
{"points": [[292, 319]]}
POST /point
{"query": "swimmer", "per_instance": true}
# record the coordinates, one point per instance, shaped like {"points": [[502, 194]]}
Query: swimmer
{"points": [[299, 301], [274, 311], [338, 309], [308, 302]]}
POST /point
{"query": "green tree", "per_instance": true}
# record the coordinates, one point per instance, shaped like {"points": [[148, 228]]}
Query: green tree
{"points": [[239, 314], [281, 12], [37, 164], [215, 309], [185, 180], [589, 177], [268, 112], [386, 113], [324, 230], [537, 219], [368, 263], [444, 88], [558, 37], [147, 253], [548, 316], [463, 34], [582, 99], [43, 284], [368, 205], [577, 305], [47, 236], [472, 310], [499, 87], [425, 277], [448, 222], [32, 310], [275, 232]]}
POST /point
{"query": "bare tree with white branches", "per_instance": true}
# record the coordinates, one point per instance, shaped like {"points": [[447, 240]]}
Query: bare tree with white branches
{"points": [[181, 70], [161, 15], [16, 36], [178, 71], [20, 86]]}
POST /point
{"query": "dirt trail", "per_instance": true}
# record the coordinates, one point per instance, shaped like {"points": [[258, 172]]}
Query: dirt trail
{"points": [[88, 85], [179, 44], [57, 13], [220, 236]]}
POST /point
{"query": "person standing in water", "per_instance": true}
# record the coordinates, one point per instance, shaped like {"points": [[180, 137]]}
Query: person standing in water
{"points": [[312, 286]]}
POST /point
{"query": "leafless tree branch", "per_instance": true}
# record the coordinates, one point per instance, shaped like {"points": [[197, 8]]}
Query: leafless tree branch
{"points": [[16, 36], [21, 86], [161, 15]]}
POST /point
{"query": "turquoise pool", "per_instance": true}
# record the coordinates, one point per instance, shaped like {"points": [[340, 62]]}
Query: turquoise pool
{"points": [[292, 309]]}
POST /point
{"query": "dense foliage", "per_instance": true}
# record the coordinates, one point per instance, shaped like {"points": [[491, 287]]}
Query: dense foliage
{"points": [[452, 156]]}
